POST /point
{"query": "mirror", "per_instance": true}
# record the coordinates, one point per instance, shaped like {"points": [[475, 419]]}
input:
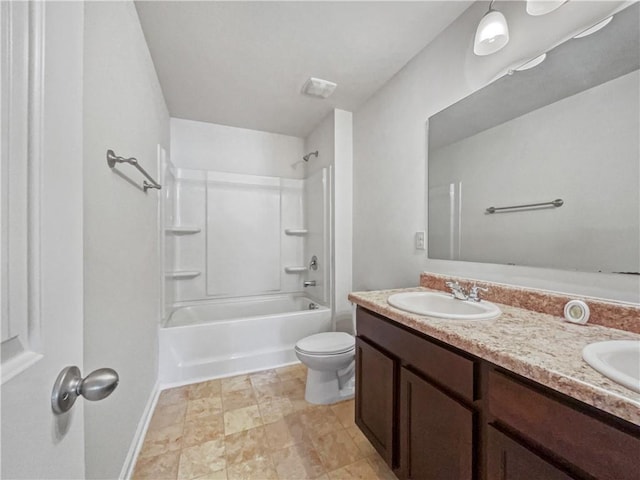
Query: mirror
{"points": [[566, 129]]}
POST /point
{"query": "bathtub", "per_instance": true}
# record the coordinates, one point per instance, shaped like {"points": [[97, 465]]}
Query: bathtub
{"points": [[224, 338]]}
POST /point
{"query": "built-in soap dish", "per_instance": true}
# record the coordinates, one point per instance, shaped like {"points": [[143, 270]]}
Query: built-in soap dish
{"points": [[182, 229], [296, 231], [295, 269], [182, 274]]}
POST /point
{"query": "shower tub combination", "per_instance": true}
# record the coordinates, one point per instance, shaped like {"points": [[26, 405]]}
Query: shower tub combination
{"points": [[223, 338]]}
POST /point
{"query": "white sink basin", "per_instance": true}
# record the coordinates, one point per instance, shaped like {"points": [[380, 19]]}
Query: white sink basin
{"points": [[442, 305], [618, 360]]}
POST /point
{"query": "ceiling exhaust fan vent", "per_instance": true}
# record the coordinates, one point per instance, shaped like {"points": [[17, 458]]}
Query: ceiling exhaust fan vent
{"points": [[316, 87]]}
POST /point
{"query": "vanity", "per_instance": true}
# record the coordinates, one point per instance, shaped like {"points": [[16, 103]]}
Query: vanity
{"points": [[504, 398]]}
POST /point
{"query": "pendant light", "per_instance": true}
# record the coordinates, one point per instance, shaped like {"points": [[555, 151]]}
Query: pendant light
{"points": [[492, 33], [595, 28], [542, 7]]}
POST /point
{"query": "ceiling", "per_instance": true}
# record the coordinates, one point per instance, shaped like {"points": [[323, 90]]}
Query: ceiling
{"points": [[243, 64]]}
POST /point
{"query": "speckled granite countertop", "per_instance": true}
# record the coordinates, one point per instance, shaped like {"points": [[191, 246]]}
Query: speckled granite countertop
{"points": [[538, 346]]}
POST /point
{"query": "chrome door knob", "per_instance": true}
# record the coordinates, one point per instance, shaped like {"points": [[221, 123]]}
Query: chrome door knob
{"points": [[70, 385], [98, 384]]}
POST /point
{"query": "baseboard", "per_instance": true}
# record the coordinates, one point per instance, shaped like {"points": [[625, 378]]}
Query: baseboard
{"points": [[138, 438]]}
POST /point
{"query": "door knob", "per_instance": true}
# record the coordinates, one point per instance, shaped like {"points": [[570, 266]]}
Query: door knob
{"points": [[70, 385]]}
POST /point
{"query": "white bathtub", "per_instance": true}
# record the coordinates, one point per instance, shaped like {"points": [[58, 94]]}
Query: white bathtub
{"points": [[224, 338]]}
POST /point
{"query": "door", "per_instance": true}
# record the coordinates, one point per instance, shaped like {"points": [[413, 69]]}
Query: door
{"points": [[436, 432], [508, 460], [41, 197], [375, 388]]}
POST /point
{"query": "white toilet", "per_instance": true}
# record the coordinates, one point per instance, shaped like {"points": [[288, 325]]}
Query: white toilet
{"points": [[330, 359]]}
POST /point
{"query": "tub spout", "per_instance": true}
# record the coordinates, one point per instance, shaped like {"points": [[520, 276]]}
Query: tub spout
{"points": [[309, 283]]}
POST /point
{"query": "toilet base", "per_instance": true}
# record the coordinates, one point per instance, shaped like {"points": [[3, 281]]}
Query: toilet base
{"points": [[323, 388]]}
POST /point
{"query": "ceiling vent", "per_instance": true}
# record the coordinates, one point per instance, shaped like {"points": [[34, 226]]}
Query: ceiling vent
{"points": [[316, 87]]}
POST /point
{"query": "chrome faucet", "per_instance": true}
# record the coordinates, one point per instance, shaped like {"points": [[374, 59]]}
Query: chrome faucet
{"points": [[474, 293], [457, 291], [309, 283]]}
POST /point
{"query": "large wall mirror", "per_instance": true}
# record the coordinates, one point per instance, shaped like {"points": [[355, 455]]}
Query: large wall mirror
{"points": [[567, 129]]}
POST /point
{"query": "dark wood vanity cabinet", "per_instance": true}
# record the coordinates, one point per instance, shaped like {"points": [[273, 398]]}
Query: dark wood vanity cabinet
{"points": [[435, 413], [578, 439], [414, 401]]}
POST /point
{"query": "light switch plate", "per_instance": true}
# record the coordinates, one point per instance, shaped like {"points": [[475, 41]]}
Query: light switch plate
{"points": [[419, 240]]}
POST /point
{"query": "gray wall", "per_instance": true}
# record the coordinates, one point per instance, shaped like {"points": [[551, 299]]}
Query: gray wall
{"points": [[123, 110], [389, 151]]}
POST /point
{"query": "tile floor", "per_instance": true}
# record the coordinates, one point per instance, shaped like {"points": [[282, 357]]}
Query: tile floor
{"points": [[255, 426]]}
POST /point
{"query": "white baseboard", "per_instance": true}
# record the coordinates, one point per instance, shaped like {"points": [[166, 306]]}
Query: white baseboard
{"points": [[138, 438]]}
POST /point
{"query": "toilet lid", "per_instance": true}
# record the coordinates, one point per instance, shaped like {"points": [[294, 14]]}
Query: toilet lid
{"points": [[327, 343]]}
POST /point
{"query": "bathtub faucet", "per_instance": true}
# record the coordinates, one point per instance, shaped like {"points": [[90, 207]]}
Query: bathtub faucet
{"points": [[309, 283]]}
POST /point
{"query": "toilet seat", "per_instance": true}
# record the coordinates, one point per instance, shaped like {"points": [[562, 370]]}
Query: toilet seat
{"points": [[327, 343]]}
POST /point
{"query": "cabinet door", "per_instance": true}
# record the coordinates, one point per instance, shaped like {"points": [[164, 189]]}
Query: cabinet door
{"points": [[508, 460], [436, 432], [375, 380]]}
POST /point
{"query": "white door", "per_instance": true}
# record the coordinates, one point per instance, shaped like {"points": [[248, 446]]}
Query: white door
{"points": [[41, 242]]}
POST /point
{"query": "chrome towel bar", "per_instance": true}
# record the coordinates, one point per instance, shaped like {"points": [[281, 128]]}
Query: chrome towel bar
{"points": [[558, 202], [112, 159]]}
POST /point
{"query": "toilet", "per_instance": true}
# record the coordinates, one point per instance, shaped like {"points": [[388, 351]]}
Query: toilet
{"points": [[330, 359]]}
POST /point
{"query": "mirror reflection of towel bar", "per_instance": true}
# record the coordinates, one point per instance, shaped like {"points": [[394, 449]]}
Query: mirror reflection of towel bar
{"points": [[558, 202]]}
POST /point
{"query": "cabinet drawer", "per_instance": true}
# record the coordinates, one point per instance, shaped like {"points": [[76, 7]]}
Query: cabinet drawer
{"points": [[590, 444], [444, 367]]}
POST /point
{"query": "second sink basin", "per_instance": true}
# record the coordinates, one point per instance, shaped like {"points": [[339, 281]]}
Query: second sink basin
{"points": [[617, 359], [442, 305]]}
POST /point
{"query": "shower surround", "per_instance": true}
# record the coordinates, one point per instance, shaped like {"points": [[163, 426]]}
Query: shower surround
{"points": [[235, 245]]}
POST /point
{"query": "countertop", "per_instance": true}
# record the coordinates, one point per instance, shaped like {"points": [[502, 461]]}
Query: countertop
{"points": [[541, 347]]}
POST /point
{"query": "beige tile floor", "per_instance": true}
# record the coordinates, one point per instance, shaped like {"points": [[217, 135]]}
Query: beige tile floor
{"points": [[255, 426]]}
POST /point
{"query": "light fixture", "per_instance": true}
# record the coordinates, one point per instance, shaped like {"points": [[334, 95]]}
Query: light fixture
{"points": [[316, 87], [542, 7], [595, 28], [492, 33], [534, 62]]}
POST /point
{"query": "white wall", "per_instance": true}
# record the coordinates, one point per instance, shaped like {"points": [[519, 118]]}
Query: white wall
{"points": [[207, 146], [343, 215], [333, 139], [317, 212], [124, 110], [558, 151], [389, 151]]}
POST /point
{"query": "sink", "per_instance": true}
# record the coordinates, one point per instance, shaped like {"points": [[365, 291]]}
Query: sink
{"points": [[442, 305], [618, 360]]}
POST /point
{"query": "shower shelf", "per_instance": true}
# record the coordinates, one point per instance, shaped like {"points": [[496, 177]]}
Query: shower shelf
{"points": [[295, 269], [182, 229], [296, 231], [182, 274]]}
